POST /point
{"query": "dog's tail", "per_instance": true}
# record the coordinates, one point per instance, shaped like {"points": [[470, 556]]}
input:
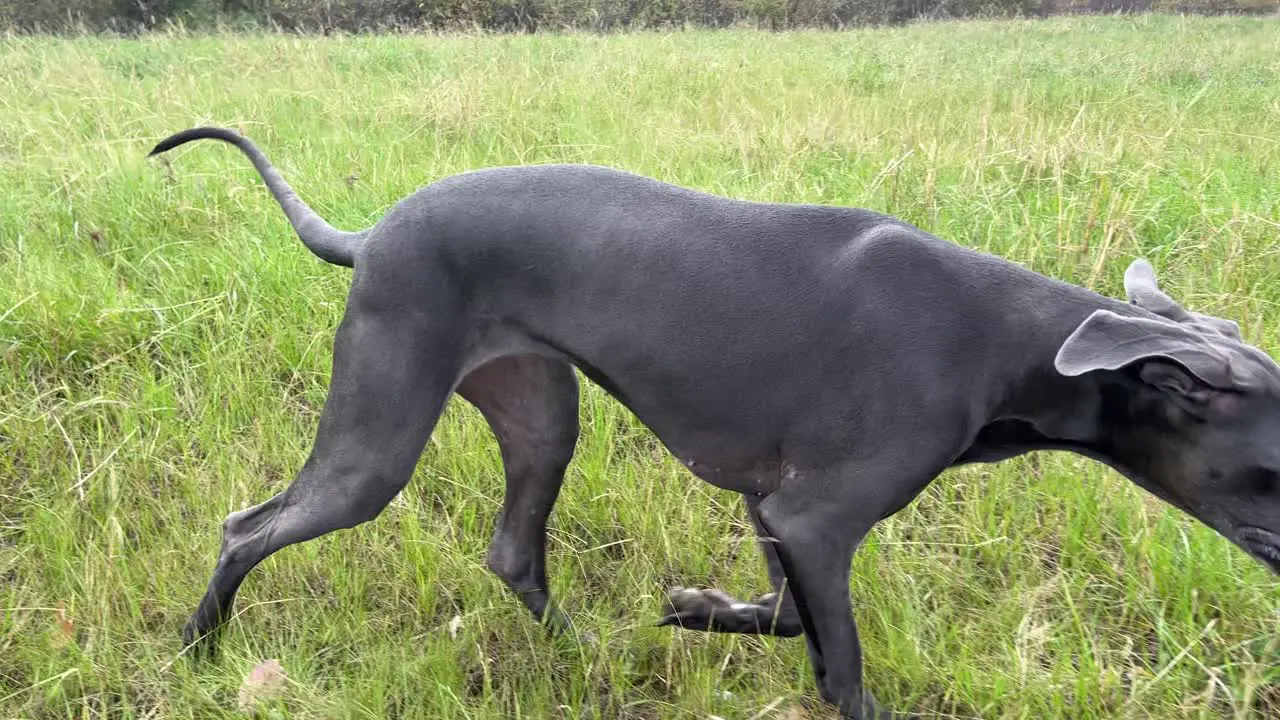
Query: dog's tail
{"points": [[329, 244]]}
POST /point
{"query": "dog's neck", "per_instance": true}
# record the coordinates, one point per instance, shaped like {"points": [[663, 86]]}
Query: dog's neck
{"points": [[1080, 413]]}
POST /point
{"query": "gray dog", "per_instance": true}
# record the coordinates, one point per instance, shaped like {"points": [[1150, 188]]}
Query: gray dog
{"points": [[827, 363]]}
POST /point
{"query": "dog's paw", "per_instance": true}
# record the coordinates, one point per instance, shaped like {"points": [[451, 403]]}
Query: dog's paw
{"points": [[873, 710], [199, 646], [693, 608], [715, 611], [564, 631], [869, 709]]}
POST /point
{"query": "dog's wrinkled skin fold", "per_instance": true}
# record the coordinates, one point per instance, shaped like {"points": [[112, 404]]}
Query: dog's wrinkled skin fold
{"points": [[827, 363]]}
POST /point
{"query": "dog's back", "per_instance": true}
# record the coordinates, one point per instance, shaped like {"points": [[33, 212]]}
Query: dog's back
{"points": [[701, 312]]}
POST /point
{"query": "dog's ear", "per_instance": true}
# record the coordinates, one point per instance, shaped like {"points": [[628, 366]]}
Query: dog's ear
{"points": [[1175, 359], [1142, 290]]}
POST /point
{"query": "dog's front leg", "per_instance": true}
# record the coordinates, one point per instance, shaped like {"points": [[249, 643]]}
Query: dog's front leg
{"points": [[817, 521]]}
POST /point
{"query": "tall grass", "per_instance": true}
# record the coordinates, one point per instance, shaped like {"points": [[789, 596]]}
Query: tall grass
{"points": [[165, 346]]}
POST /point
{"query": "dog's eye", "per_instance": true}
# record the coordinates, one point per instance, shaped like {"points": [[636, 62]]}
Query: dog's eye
{"points": [[1260, 481]]}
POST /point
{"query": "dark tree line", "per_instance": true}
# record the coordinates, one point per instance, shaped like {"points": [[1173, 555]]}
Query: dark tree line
{"points": [[131, 16]]}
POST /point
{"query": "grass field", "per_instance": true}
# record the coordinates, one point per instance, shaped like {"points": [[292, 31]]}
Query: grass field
{"points": [[165, 348]]}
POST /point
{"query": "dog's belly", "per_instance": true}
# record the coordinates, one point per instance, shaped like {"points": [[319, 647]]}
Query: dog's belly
{"points": [[729, 445], [726, 449], [759, 480], [731, 463]]}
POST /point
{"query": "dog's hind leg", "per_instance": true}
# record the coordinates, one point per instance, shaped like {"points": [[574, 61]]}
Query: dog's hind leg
{"points": [[715, 611], [392, 373], [531, 404]]}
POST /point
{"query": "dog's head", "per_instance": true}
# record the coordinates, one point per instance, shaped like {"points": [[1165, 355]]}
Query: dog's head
{"points": [[1188, 410]]}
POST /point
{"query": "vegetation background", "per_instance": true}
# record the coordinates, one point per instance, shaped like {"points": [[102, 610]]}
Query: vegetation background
{"points": [[165, 347]]}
